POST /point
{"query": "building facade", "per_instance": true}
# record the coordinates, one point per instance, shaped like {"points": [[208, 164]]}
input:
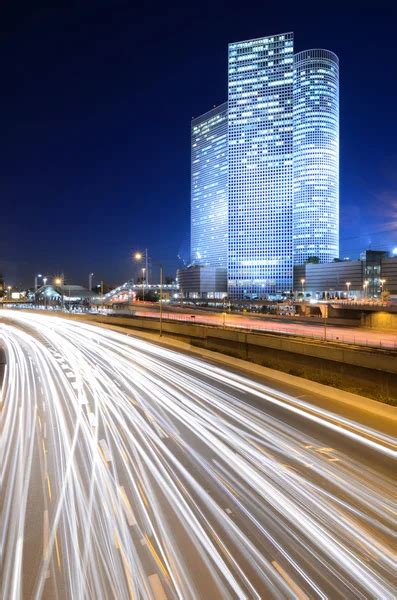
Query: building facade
{"points": [[315, 213], [202, 282], [375, 272], [265, 168], [209, 182], [260, 138]]}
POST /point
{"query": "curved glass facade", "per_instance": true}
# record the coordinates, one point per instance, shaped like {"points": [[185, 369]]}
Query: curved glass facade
{"points": [[315, 213], [209, 188]]}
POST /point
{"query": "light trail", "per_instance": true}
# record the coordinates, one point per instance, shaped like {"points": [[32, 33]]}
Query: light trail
{"points": [[133, 471]]}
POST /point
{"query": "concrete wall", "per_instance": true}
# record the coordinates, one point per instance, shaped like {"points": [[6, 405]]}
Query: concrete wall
{"points": [[371, 373], [380, 320]]}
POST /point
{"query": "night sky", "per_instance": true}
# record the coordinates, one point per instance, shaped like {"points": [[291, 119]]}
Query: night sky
{"points": [[96, 103]]}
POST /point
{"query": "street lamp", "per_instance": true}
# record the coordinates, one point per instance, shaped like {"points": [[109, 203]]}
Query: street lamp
{"points": [[348, 284], [382, 283], [143, 284], [138, 256], [36, 285], [365, 287], [303, 286], [9, 288]]}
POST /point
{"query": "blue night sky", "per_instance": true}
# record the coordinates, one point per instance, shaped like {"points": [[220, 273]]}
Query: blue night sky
{"points": [[96, 103]]}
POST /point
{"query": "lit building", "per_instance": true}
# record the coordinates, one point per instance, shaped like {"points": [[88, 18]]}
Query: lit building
{"points": [[265, 197], [209, 198], [315, 213], [260, 135], [202, 282], [369, 276]]}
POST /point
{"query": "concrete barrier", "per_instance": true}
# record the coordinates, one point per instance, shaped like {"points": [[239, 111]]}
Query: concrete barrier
{"points": [[368, 372]]}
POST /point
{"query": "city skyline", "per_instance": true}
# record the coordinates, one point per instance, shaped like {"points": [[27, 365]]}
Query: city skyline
{"points": [[265, 167], [79, 195]]}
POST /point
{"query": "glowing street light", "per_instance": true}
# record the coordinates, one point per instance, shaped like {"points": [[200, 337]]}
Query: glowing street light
{"points": [[58, 281], [348, 284], [36, 277], [138, 256], [303, 286], [365, 287], [382, 283]]}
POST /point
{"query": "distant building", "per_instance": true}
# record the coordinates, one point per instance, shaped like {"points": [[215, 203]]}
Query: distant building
{"points": [[209, 196], [373, 273], [315, 209], [63, 294], [202, 282], [260, 166], [265, 167]]}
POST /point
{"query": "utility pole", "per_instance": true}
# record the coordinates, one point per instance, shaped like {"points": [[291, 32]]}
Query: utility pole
{"points": [[147, 267], [90, 276], [161, 300]]}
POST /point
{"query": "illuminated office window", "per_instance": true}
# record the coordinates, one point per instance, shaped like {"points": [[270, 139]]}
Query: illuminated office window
{"points": [[209, 199], [260, 166], [316, 156]]}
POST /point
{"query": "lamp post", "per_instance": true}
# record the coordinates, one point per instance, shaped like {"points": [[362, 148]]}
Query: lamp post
{"points": [[382, 283], [138, 256], [365, 287], [303, 287], [348, 284], [145, 277], [36, 284], [45, 296], [9, 288], [58, 281], [143, 284], [90, 276], [161, 300]]}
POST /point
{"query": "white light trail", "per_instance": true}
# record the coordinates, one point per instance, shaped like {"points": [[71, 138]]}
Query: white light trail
{"points": [[133, 471]]}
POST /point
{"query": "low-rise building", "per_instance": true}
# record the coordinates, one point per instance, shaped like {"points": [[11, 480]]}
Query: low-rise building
{"points": [[374, 273], [202, 282]]}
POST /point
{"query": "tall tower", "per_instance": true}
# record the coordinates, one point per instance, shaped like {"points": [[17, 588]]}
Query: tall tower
{"points": [[260, 166], [316, 156], [209, 200]]}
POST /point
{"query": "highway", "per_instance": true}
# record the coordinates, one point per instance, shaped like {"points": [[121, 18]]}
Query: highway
{"points": [[130, 470], [286, 325]]}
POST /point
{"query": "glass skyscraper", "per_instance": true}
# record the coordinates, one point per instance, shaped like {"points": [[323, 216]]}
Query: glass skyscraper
{"points": [[265, 167], [260, 166], [209, 188], [315, 216]]}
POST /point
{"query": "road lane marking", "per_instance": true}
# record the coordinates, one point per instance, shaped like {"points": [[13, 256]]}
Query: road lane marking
{"points": [[105, 450], [57, 551], [157, 587], [49, 487], [127, 506], [300, 594], [156, 557], [45, 535]]}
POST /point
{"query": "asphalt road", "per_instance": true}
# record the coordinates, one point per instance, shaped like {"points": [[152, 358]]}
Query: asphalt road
{"points": [[286, 325], [133, 471]]}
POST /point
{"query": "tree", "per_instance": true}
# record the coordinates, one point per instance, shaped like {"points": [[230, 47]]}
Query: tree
{"points": [[169, 280], [313, 260]]}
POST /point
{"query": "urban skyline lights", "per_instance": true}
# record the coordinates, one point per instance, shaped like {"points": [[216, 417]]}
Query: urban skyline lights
{"points": [[282, 165]]}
